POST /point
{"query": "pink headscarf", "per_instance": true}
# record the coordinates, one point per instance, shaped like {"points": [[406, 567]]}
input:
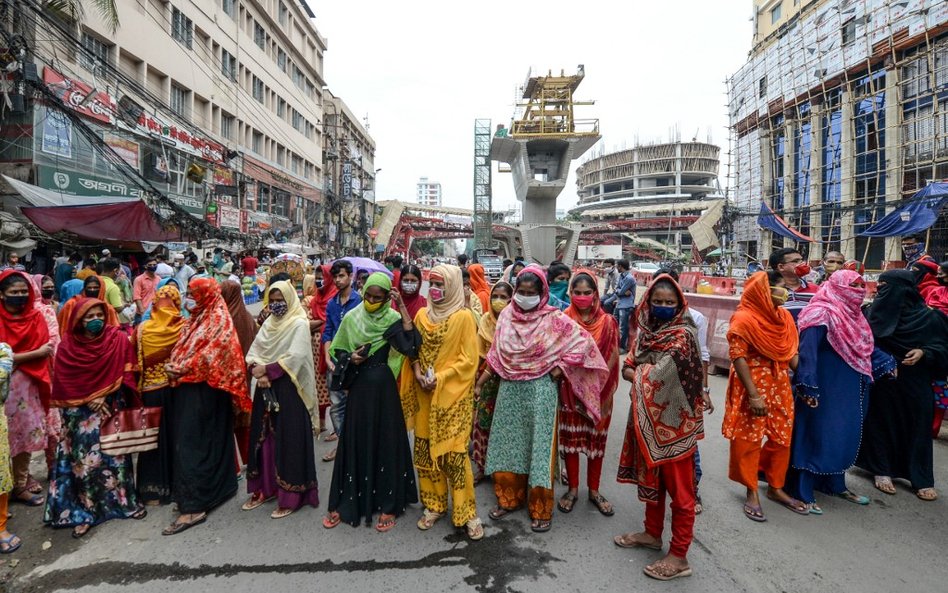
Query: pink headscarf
{"points": [[529, 344], [837, 307]]}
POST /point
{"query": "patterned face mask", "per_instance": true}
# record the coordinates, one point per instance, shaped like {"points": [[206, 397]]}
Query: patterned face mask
{"points": [[279, 308]]}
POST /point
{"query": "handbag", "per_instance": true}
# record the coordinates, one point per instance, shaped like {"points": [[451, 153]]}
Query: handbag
{"points": [[132, 430]]}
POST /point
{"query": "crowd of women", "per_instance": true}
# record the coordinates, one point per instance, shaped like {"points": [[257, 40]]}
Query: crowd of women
{"points": [[429, 396]]}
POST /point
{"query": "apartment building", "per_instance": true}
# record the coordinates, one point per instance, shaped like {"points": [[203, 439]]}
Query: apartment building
{"points": [[428, 192]]}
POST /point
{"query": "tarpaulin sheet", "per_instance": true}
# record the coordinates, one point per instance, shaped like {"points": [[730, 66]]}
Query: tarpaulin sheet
{"points": [[769, 220], [916, 215], [126, 221]]}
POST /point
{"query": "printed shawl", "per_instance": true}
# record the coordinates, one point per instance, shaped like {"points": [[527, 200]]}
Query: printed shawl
{"points": [[360, 327], [530, 344], [25, 333], [286, 340], [837, 306], [479, 285], [157, 336], [768, 329], [87, 369], [605, 331], [208, 350], [244, 323], [666, 418]]}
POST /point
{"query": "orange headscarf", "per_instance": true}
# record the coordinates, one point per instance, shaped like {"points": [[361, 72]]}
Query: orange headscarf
{"points": [[768, 329], [479, 285]]}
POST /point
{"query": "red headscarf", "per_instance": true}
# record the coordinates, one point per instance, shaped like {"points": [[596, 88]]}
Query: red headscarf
{"points": [[244, 324], [25, 333], [768, 329], [604, 329], [324, 294], [208, 350], [838, 307], [413, 302], [479, 285], [90, 368]]}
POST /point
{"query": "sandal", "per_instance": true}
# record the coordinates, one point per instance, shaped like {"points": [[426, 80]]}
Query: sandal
{"points": [[699, 508], [79, 531], [854, 498], [498, 513], [332, 437], [754, 512], [600, 501], [386, 522], [332, 520], [663, 571], [627, 540], [791, 504], [23, 496], [280, 513], [256, 499], [566, 503], [814, 509], [927, 494], [8, 545], [884, 484], [331, 456], [428, 519], [475, 529], [140, 514], [540, 525], [179, 526], [33, 486]]}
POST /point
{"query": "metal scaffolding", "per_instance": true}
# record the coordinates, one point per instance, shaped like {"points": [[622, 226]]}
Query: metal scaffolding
{"points": [[482, 192]]}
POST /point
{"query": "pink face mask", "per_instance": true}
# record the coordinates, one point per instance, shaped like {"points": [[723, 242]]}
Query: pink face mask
{"points": [[583, 301], [436, 294]]}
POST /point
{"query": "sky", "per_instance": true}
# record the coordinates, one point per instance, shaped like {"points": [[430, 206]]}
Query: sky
{"points": [[423, 71]]}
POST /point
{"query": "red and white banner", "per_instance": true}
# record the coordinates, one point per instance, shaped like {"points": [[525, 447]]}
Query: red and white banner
{"points": [[73, 93]]}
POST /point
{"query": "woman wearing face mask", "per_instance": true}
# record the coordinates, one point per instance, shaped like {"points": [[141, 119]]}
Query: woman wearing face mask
{"points": [[470, 299], [936, 297], [24, 328], [48, 291], [558, 276], [92, 288], [92, 373], [479, 285], [437, 397], [208, 389], [763, 344], [838, 362], [485, 394], [410, 290], [282, 462], [9, 542], [534, 348], [576, 433], [154, 340], [373, 468], [897, 433], [665, 424], [47, 307], [325, 291], [67, 291]]}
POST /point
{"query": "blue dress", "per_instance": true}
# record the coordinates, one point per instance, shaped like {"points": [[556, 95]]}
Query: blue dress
{"points": [[826, 438]]}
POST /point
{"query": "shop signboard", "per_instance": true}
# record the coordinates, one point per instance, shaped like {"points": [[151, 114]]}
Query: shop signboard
{"points": [[193, 205], [57, 134], [125, 148], [228, 217], [83, 184], [153, 126], [73, 93]]}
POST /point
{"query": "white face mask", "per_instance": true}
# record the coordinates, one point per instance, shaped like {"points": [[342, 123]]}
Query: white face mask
{"points": [[527, 303], [410, 287]]}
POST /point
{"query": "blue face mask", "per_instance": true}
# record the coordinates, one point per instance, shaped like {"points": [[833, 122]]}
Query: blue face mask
{"points": [[95, 326], [663, 313]]}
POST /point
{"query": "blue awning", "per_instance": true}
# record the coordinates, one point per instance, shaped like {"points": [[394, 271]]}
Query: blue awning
{"points": [[914, 216], [769, 220]]}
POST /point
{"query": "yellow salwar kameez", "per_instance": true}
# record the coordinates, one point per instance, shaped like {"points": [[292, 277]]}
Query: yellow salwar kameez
{"points": [[441, 418]]}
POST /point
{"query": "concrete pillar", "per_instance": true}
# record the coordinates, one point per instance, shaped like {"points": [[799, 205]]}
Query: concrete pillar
{"points": [[894, 157], [789, 131], [678, 168], [847, 167], [816, 181], [765, 191]]}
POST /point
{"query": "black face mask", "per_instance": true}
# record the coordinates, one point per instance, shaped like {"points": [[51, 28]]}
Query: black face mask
{"points": [[151, 269], [17, 302], [48, 293], [92, 294]]}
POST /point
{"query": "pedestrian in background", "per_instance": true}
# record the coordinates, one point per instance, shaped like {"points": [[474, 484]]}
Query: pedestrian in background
{"points": [[623, 299], [345, 300], [485, 393], [9, 542]]}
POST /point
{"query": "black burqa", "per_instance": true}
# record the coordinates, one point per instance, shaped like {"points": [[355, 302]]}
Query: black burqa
{"points": [[897, 436]]}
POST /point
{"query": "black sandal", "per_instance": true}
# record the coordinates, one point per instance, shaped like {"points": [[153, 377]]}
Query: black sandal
{"points": [[600, 501], [540, 525], [500, 512], [570, 500], [177, 527]]}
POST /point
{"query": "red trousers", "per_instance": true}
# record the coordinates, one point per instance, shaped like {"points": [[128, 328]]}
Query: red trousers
{"points": [[593, 471], [749, 458], [678, 480]]}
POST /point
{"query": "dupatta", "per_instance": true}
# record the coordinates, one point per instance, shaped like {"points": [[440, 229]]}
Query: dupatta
{"points": [[25, 333]]}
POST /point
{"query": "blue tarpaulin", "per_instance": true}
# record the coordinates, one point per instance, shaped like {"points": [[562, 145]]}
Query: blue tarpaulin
{"points": [[769, 220], [914, 216]]}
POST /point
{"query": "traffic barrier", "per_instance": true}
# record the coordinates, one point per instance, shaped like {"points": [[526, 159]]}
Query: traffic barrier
{"points": [[689, 281], [718, 310], [722, 286]]}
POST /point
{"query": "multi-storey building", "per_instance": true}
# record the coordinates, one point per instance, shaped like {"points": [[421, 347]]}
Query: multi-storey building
{"points": [[214, 102], [840, 112], [428, 192]]}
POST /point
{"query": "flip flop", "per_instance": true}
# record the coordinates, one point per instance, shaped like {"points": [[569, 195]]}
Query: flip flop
{"points": [[32, 500], [176, 528], [81, 534], [384, 524], [620, 541], [814, 509], [600, 501], [500, 512], [686, 572], [540, 526], [927, 494], [139, 514], [281, 513], [331, 438], [570, 500], [332, 520], [254, 502], [854, 498], [884, 484], [331, 456], [754, 513], [793, 505], [10, 546]]}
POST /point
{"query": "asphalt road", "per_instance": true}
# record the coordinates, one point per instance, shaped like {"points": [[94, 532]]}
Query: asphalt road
{"points": [[895, 543]]}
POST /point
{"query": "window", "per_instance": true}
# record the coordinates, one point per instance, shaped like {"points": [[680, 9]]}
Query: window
{"points": [[230, 7], [284, 14], [849, 31], [182, 29], [296, 164], [227, 126], [180, 101], [228, 65], [259, 35], [258, 89], [257, 145], [281, 59], [281, 108], [775, 14], [762, 88], [298, 121], [96, 56]]}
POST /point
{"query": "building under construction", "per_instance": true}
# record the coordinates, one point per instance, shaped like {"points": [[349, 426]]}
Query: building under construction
{"points": [[839, 114]]}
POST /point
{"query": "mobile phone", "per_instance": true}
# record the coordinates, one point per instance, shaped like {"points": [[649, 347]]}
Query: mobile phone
{"points": [[363, 350]]}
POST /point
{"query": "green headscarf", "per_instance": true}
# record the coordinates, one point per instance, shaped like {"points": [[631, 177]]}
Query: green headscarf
{"points": [[360, 327]]}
